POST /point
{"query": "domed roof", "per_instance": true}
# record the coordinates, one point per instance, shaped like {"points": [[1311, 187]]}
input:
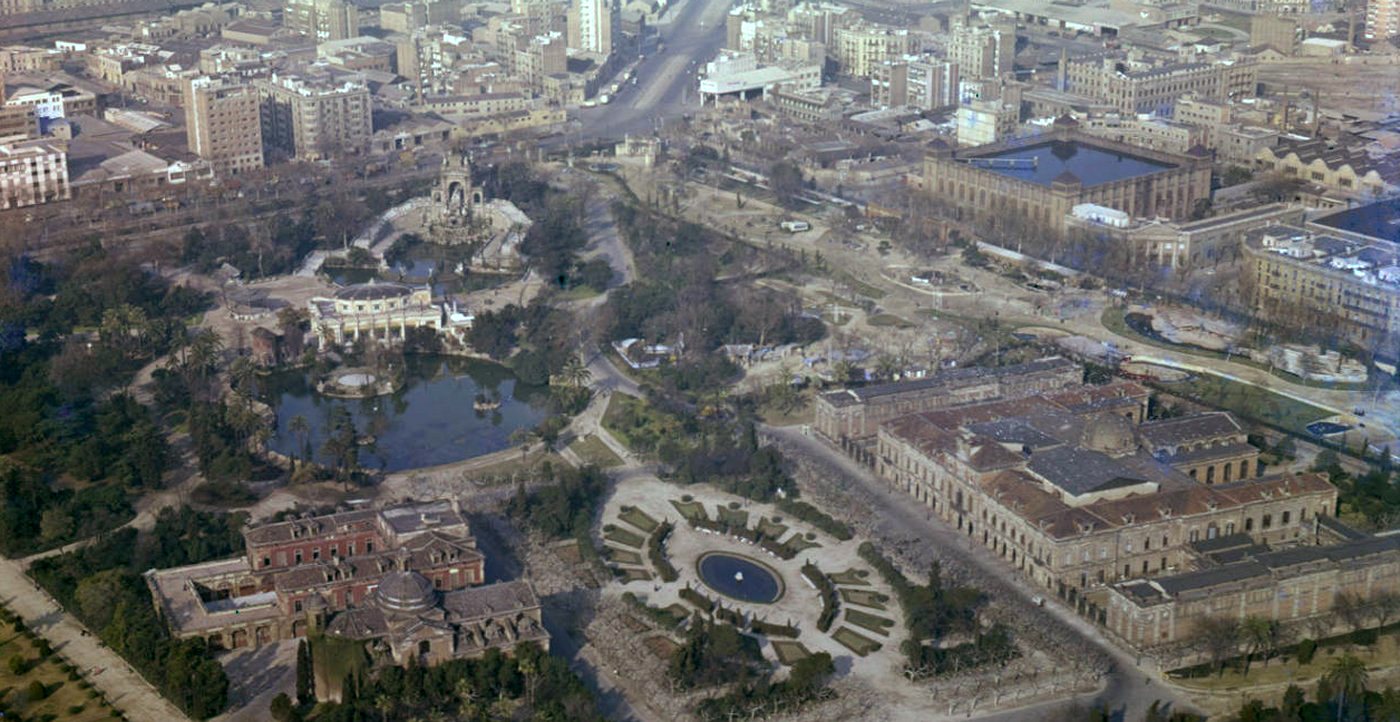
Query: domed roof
{"points": [[373, 291], [407, 592], [1109, 433]]}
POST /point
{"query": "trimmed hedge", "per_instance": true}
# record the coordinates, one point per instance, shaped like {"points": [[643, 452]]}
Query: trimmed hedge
{"points": [[816, 517], [663, 618], [699, 600], [773, 630], [656, 551], [831, 602]]}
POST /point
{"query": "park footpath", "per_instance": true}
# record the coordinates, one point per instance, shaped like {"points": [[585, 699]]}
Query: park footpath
{"points": [[127, 690]]}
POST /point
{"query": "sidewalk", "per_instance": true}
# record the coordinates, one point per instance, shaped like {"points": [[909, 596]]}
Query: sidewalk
{"points": [[123, 687]]}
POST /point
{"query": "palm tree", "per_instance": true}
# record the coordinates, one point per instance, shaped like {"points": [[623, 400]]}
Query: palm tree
{"points": [[575, 372], [298, 425], [842, 370], [204, 350], [241, 373], [1346, 677], [886, 367]]}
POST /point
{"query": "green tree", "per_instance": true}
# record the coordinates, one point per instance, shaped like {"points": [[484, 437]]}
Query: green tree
{"points": [[306, 690], [1345, 680]]}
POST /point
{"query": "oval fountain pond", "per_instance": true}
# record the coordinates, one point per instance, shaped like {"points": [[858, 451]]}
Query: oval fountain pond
{"points": [[431, 420], [740, 578]]}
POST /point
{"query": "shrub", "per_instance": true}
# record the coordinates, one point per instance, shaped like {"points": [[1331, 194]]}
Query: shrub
{"points": [[1363, 637], [18, 666], [36, 691], [1306, 649], [773, 630], [831, 603], [656, 551], [699, 600], [76, 709]]}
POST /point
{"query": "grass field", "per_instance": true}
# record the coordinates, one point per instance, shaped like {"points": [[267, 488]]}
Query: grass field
{"points": [[621, 556], [771, 529], [593, 451], [1249, 401], [508, 469], [853, 577], [869, 622], [889, 319], [732, 517], [857, 285], [789, 653], [691, 509], [624, 537], [864, 598], [798, 544], [638, 518], [852, 640], [577, 293], [66, 698]]}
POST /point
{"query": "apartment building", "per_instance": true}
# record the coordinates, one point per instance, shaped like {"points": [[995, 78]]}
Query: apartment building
{"points": [[1320, 280], [32, 172], [1161, 134], [983, 52], [322, 19], [1382, 19], [922, 82], [860, 49], [318, 114], [222, 123], [1134, 82], [591, 26]]}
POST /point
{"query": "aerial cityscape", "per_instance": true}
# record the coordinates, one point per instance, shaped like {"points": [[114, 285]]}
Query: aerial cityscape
{"points": [[700, 360]]}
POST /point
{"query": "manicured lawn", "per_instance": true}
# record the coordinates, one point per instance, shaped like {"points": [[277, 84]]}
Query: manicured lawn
{"points": [[854, 577], [870, 622], [577, 293], [621, 536], [635, 423], [692, 510], [864, 598], [635, 575], [888, 319], [621, 556], [1249, 401], [593, 451], [65, 699], [638, 518], [771, 529], [789, 652], [732, 517], [857, 285], [855, 642], [798, 544]]}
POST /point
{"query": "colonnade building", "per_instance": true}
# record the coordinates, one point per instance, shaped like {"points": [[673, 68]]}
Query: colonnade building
{"points": [[379, 309]]}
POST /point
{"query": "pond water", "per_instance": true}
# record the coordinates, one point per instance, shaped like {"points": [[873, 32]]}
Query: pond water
{"points": [[740, 578], [430, 421]]}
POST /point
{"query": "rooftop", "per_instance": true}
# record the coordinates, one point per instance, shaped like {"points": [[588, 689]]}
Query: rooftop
{"points": [[1379, 220], [1071, 160]]}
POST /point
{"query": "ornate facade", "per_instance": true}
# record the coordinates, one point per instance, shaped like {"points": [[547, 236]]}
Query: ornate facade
{"points": [[406, 579]]}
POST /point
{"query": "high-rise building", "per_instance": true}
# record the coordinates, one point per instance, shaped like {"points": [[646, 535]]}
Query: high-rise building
{"points": [[316, 114], [920, 82], [221, 123], [322, 19], [591, 26], [32, 172], [1382, 19], [983, 51]]}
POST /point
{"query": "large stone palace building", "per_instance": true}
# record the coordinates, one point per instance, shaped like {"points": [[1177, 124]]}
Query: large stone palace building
{"points": [[1077, 490], [1237, 579], [1042, 178], [854, 415], [404, 579], [382, 310]]}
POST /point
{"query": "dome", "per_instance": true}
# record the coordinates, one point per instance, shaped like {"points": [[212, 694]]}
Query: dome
{"points": [[1110, 433], [407, 592], [373, 291]]}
